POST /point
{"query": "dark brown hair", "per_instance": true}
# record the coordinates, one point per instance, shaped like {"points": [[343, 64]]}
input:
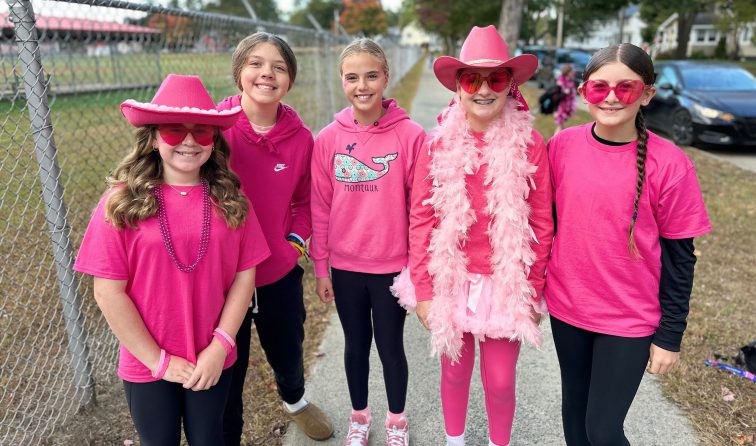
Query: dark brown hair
{"points": [[637, 60]]}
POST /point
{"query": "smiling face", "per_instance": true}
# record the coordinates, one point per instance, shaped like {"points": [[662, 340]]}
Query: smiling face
{"points": [[182, 162], [265, 78], [484, 105], [612, 114], [364, 79]]}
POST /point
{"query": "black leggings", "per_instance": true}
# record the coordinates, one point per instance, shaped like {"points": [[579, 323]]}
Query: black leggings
{"points": [[280, 326], [600, 376], [366, 307], [158, 407]]}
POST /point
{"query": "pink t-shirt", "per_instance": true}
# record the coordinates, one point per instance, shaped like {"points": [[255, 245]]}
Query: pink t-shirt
{"points": [[180, 310], [593, 283]]}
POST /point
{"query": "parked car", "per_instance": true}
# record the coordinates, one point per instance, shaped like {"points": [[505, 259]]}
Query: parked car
{"points": [[704, 102], [544, 75]]}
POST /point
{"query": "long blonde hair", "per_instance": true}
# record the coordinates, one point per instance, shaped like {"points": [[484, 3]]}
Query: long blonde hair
{"points": [[142, 170]]}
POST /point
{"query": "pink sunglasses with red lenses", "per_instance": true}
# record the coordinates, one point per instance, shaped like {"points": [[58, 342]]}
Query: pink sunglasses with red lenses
{"points": [[175, 134], [627, 92], [498, 81]]}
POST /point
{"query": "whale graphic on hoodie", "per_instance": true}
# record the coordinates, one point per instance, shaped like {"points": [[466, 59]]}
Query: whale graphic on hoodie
{"points": [[351, 170]]}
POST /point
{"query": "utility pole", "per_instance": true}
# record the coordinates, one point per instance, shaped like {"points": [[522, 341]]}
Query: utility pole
{"points": [[560, 24]]}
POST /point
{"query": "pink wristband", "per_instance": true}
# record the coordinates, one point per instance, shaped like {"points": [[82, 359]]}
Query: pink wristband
{"points": [[224, 339], [226, 336], [162, 365]]}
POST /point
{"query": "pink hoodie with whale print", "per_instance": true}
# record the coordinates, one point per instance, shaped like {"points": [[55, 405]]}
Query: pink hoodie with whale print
{"points": [[361, 182]]}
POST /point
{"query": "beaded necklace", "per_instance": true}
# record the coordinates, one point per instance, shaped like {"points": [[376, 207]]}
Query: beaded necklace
{"points": [[166, 232]]}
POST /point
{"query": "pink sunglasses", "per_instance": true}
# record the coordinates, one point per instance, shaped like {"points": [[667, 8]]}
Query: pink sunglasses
{"points": [[627, 92]]}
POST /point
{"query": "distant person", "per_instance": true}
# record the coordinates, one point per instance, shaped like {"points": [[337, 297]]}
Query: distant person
{"points": [[628, 206], [480, 231], [362, 169], [566, 107], [173, 246], [271, 151]]}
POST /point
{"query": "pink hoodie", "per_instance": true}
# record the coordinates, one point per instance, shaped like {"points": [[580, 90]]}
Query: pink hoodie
{"points": [[361, 182], [275, 175]]}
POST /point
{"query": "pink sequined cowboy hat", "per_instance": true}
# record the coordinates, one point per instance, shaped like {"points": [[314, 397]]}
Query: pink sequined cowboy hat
{"points": [[180, 99], [484, 48]]}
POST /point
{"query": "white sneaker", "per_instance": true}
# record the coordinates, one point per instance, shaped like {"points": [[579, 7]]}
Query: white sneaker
{"points": [[359, 429], [397, 434]]}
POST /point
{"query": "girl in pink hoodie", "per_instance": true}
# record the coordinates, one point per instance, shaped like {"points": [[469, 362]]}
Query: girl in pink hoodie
{"points": [[480, 231], [270, 151], [362, 168]]}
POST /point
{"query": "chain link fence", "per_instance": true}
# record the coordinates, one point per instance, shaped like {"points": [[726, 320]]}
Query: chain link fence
{"points": [[65, 67]]}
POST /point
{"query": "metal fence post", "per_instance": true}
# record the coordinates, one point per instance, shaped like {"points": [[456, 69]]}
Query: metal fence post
{"points": [[22, 15]]}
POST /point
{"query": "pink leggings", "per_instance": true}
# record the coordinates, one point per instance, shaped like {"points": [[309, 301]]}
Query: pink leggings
{"points": [[498, 360]]}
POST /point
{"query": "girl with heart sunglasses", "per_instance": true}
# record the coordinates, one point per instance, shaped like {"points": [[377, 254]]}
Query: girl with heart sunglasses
{"points": [[618, 294]]}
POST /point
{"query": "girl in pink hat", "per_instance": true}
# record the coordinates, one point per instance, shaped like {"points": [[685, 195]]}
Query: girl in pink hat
{"points": [[480, 231], [628, 206], [362, 168], [173, 246], [271, 149]]}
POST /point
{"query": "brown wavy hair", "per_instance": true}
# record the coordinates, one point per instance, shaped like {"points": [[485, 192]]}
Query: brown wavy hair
{"points": [[639, 61], [142, 170]]}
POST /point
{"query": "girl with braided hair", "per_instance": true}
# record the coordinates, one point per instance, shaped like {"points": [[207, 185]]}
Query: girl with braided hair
{"points": [[628, 205]]}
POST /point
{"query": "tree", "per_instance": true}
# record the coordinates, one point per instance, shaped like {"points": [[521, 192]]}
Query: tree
{"points": [[656, 11], [265, 9], [535, 20], [735, 15], [452, 19], [321, 10], [510, 20], [364, 17], [581, 16]]}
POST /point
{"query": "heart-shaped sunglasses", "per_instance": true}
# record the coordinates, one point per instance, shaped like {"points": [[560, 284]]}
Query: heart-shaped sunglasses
{"points": [[626, 92]]}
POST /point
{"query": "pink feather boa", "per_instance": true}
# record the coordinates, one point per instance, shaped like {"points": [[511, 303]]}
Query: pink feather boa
{"points": [[509, 179]]}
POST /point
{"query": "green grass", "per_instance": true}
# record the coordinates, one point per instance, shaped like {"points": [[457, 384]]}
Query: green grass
{"points": [[749, 65], [405, 91]]}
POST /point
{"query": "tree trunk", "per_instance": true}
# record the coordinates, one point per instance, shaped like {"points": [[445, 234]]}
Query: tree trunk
{"points": [[684, 25], [510, 21]]}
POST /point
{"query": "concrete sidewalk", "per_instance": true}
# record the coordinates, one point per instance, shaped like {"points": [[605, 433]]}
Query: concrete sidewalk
{"points": [[652, 419]]}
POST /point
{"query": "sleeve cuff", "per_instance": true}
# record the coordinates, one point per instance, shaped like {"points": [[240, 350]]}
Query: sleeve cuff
{"points": [[321, 268], [668, 340]]}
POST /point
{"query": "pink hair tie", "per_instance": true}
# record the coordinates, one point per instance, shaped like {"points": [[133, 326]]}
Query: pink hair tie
{"points": [[162, 366], [225, 339]]}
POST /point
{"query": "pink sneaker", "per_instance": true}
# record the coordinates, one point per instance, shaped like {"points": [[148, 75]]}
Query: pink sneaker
{"points": [[397, 432], [359, 428]]}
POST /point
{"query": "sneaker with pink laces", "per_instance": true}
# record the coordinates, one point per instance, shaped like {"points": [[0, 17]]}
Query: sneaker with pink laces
{"points": [[397, 432], [359, 428]]}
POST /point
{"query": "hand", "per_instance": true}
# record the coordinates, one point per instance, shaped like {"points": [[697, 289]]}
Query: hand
{"points": [[422, 309], [535, 316], [209, 367], [179, 370], [661, 361], [324, 288]]}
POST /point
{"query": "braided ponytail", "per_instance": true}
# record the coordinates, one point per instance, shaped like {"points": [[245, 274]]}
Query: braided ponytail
{"points": [[640, 165]]}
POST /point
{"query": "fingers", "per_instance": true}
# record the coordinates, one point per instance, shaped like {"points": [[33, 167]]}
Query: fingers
{"points": [[423, 320], [193, 380], [179, 370]]}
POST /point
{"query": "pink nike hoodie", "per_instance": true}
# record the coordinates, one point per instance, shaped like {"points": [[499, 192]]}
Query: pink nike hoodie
{"points": [[275, 175], [361, 182]]}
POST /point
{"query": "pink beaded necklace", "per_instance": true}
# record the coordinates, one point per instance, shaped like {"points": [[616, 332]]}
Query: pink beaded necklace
{"points": [[166, 232]]}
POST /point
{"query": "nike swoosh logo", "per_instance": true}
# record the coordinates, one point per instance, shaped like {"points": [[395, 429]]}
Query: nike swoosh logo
{"points": [[280, 167]]}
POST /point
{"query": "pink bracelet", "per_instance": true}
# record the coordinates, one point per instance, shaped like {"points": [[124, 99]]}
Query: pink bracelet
{"points": [[224, 339], [162, 365], [226, 336]]}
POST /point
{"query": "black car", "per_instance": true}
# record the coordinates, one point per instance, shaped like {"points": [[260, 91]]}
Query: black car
{"points": [[544, 74], [704, 102]]}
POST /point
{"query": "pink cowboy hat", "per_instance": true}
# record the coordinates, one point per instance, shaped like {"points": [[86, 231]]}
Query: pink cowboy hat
{"points": [[180, 99], [484, 48]]}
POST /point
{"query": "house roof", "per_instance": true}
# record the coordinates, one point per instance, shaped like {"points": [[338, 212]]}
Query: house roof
{"points": [[49, 23]]}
